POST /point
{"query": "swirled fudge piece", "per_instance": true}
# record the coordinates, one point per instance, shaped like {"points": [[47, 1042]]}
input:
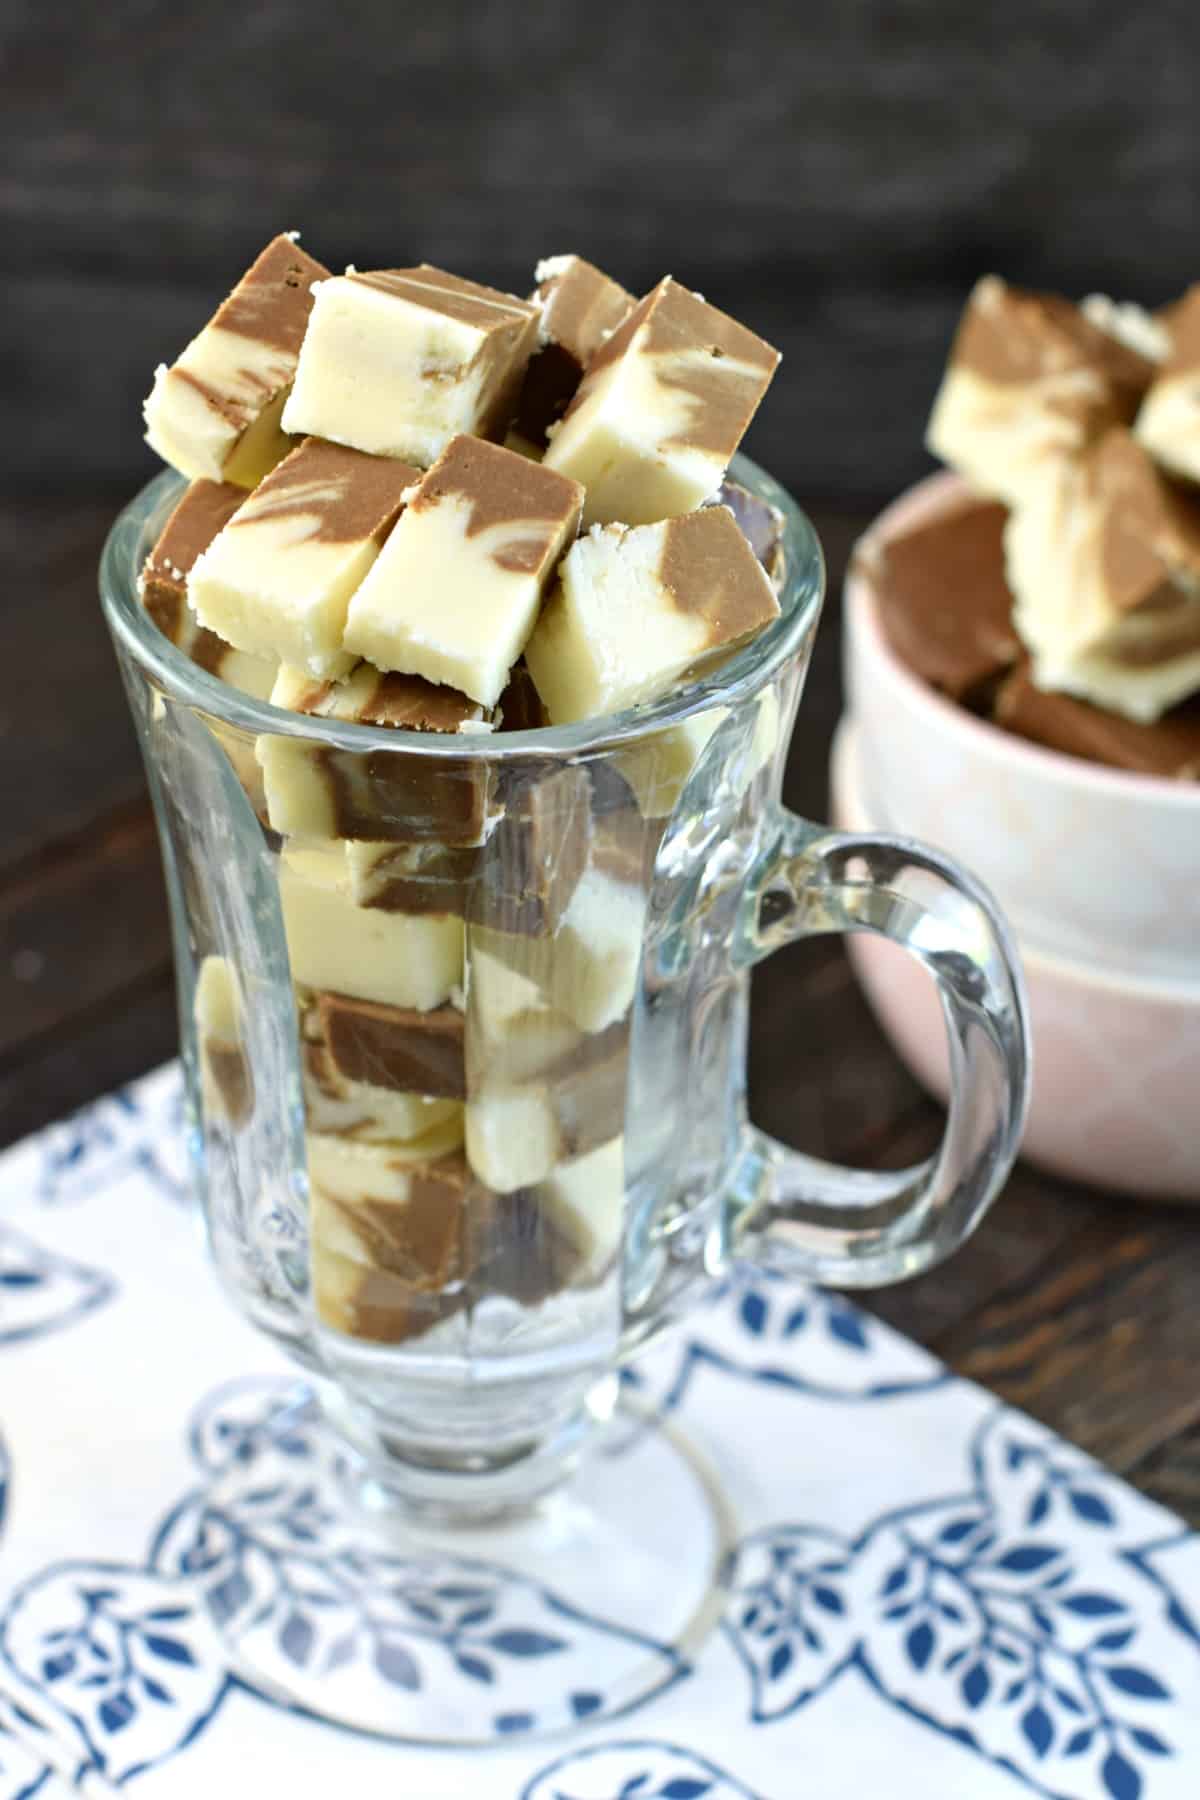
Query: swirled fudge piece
{"points": [[413, 878], [517, 1133], [226, 1074], [387, 1234], [399, 361], [399, 959], [579, 308], [278, 579], [361, 1109], [1170, 746], [216, 411], [205, 509], [1029, 378], [760, 523], [637, 608], [374, 796], [1143, 332], [663, 406], [455, 594], [527, 872], [1169, 421], [395, 1047], [1103, 557], [943, 598]]}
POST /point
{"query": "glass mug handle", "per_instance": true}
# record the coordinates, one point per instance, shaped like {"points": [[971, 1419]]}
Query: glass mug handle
{"points": [[855, 1228]]}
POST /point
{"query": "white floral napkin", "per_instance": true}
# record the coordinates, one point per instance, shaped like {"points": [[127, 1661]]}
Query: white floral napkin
{"points": [[931, 1596]]}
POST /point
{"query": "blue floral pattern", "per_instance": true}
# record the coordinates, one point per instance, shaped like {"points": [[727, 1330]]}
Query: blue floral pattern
{"points": [[977, 1614], [41, 1292], [138, 1129], [636, 1770]]}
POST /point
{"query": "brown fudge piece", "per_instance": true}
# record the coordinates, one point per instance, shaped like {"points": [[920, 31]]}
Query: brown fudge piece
{"points": [[1169, 747], [580, 308], [395, 1047], [530, 866], [944, 602]]}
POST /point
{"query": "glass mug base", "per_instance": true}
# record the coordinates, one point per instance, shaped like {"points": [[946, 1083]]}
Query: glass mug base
{"points": [[357, 1599], [464, 1024]]}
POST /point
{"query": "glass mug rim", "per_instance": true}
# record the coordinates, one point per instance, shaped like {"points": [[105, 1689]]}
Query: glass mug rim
{"points": [[800, 597]]}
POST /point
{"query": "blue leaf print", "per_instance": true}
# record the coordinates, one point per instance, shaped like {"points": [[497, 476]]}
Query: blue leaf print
{"points": [[920, 1645], [1129, 1679], [525, 1643], [848, 1328], [1024, 1559], [956, 1531], [296, 1638], [1120, 1777], [976, 1685], [797, 1319], [683, 1788], [117, 1712], [780, 1661], [1090, 1507], [829, 1600], [1149, 1741], [635, 1784], [1115, 1640], [1038, 1727], [1093, 1606], [474, 1666], [1079, 1741], [395, 1664], [894, 1581], [753, 1312], [1039, 1507], [169, 1649]]}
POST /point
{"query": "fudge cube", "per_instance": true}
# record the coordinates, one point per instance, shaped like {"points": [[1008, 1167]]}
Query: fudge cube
{"points": [[396, 958], [395, 1047], [1103, 557], [585, 1201], [1169, 421], [413, 878], [455, 594], [530, 866], [637, 607], [337, 1107], [1029, 378], [277, 580], [518, 1132], [227, 1079], [1169, 747], [205, 509], [216, 411], [399, 361], [579, 309], [944, 601], [377, 796], [663, 406]]}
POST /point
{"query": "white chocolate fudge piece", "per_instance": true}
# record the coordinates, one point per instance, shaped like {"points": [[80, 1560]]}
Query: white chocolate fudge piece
{"points": [[512, 1137], [587, 971], [227, 1079], [318, 792], [579, 308], [585, 1200], [1104, 560], [205, 509], [1130, 324], [455, 594], [277, 580], [398, 959], [1169, 422], [399, 361], [636, 608], [663, 406], [1029, 378], [216, 411]]}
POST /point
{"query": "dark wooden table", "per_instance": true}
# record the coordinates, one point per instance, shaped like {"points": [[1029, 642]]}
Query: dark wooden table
{"points": [[1081, 1307]]}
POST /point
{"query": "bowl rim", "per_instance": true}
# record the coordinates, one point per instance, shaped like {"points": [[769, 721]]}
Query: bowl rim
{"points": [[847, 797], [923, 498]]}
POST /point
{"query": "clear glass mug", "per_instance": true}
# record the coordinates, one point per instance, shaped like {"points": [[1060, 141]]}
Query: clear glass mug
{"points": [[463, 1022]]}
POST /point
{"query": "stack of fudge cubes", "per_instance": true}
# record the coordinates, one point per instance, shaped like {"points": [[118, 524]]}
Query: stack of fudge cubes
{"points": [[419, 503], [1061, 596]]}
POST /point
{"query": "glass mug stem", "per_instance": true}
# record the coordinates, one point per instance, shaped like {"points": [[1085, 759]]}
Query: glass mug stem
{"points": [[857, 1228]]}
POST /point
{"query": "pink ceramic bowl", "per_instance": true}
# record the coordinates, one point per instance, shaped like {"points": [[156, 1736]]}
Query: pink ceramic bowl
{"points": [[1099, 873]]}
